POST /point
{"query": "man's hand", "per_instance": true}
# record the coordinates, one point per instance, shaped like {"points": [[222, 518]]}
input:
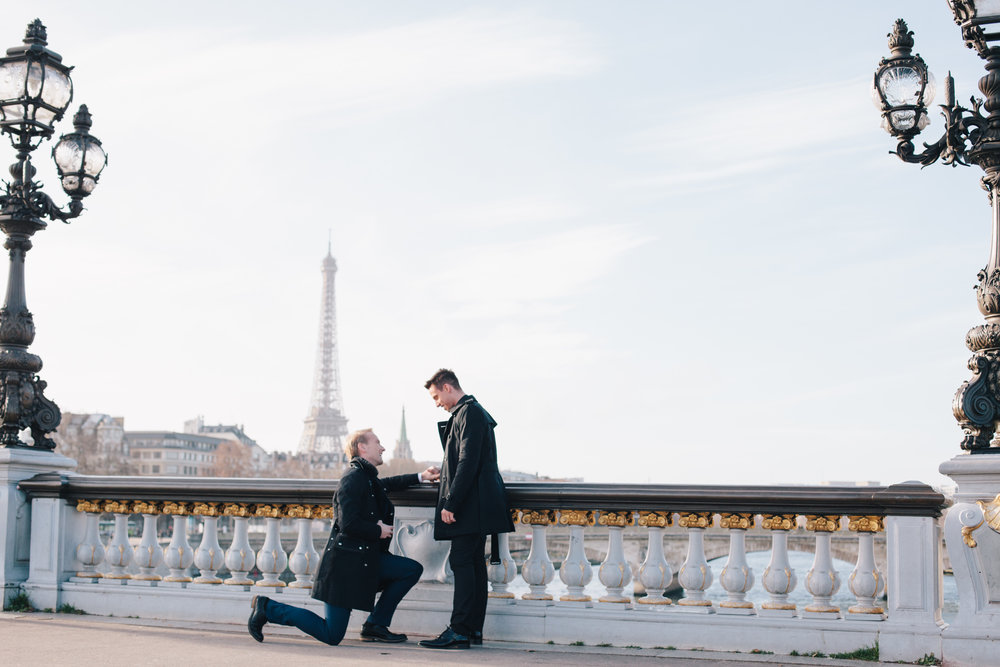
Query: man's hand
{"points": [[386, 530], [447, 516], [432, 474]]}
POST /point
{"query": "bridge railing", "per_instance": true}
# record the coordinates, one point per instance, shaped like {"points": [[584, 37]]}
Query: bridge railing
{"points": [[70, 562]]}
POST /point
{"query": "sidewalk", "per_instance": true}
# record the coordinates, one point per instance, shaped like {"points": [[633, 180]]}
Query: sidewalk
{"points": [[61, 639]]}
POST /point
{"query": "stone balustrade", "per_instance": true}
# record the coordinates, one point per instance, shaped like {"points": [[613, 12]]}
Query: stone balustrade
{"points": [[195, 578]]}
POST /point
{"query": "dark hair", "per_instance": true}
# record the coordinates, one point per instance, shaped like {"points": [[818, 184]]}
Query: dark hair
{"points": [[442, 377]]}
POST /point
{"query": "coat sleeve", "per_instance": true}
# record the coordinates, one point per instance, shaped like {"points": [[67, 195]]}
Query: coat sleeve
{"points": [[397, 482], [351, 497], [470, 433]]}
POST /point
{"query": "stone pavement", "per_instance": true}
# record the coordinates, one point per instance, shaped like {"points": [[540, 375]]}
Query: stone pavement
{"points": [[61, 639]]}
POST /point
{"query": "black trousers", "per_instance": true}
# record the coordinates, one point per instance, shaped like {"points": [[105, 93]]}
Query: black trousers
{"points": [[468, 563]]}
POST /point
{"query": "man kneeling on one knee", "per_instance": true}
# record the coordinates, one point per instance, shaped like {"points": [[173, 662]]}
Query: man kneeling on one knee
{"points": [[356, 562]]}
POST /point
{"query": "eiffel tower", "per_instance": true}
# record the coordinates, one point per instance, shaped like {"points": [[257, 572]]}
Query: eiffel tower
{"points": [[325, 424]]}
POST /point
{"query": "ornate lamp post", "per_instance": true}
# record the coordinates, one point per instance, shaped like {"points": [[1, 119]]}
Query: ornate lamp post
{"points": [[35, 90]]}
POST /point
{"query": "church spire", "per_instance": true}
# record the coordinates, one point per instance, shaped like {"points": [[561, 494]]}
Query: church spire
{"points": [[403, 451]]}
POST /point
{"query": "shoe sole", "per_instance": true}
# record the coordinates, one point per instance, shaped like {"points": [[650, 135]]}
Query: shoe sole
{"points": [[445, 648], [383, 640]]}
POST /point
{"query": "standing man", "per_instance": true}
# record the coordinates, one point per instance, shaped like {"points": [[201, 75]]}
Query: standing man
{"points": [[472, 503], [356, 563]]}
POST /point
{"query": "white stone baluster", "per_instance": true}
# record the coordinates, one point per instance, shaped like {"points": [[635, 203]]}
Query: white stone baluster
{"points": [[822, 580], [695, 576], [779, 578], [502, 573], [119, 551], [304, 560], [240, 556], [615, 572], [271, 559], [654, 573], [90, 552], [149, 553], [209, 556], [737, 576], [538, 570], [866, 581], [575, 570], [178, 555]]}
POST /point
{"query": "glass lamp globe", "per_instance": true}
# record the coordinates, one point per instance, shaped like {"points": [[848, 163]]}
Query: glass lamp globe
{"points": [[79, 157]]}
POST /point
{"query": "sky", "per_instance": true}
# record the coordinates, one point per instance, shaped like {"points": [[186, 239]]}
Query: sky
{"points": [[660, 242]]}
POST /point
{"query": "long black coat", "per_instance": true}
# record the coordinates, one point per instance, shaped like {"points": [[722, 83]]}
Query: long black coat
{"points": [[471, 486], [348, 573]]}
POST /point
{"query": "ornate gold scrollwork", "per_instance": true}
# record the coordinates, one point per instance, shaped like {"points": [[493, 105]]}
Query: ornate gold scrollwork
{"points": [[173, 507], [695, 520], [576, 517], [823, 523], [866, 524], [93, 506], [145, 507], [619, 519], [116, 506], [205, 509], [515, 516], [991, 512], [778, 521], [269, 511], [654, 519], [735, 520], [967, 537], [324, 512], [538, 517], [236, 509], [299, 511]]}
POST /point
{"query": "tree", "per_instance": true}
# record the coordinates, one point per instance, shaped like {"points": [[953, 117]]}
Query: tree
{"points": [[232, 459]]}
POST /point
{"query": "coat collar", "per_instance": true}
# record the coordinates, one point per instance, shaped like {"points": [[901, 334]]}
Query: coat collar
{"points": [[365, 466]]}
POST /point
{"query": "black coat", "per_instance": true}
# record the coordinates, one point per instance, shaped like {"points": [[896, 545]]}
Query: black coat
{"points": [[348, 573], [471, 486]]}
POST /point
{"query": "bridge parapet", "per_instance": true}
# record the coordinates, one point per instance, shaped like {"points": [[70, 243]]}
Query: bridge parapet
{"points": [[194, 577]]}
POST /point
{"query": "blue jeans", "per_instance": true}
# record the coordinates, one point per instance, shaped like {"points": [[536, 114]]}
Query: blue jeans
{"points": [[397, 575]]}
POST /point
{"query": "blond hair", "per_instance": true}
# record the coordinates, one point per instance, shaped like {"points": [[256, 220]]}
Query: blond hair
{"points": [[354, 441]]}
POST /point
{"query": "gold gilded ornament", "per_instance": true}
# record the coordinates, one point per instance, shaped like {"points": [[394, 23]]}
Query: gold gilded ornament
{"points": [[180, 509], [865, 524], [538, 517], [93, 506], [205, 509], [298, 511], [116, 507], [269, 511], [778, 522], [654, 520], [235, 509], [143, 507], [823, 523], [576, 517], [991, 513], [695, 520], [735, 521], [619, 519]]}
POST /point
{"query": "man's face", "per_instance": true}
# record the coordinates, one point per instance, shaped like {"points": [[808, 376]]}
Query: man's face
{"points": [[370, 449], [444, 396]]}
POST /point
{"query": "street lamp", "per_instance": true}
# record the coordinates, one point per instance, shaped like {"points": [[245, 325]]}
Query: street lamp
{"points": [[35, 91]]}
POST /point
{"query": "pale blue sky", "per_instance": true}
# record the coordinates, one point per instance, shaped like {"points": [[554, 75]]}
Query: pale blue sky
{"points": [[660, 242]]}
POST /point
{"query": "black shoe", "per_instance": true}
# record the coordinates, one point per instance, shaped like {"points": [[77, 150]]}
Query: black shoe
{"points": [[379, 633], [447, 639], [476, 638], [258, 617]]}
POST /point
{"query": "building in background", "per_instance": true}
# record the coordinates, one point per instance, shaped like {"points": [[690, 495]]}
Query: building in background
{"points": [[96, 442], [200, 450], [325, 425]]}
